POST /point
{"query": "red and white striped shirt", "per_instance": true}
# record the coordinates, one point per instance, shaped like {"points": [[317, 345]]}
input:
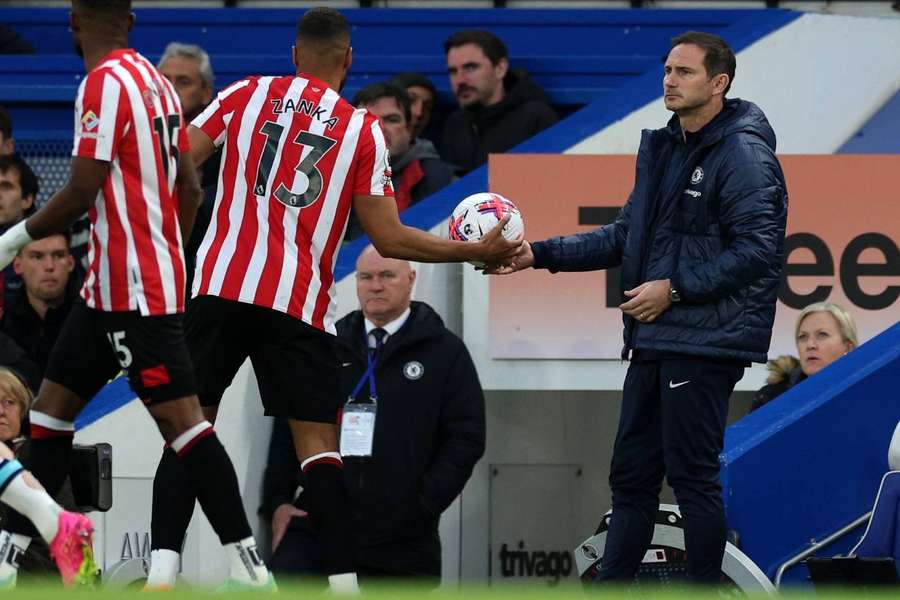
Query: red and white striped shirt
{"points": [[294, 154], [129, 115]]}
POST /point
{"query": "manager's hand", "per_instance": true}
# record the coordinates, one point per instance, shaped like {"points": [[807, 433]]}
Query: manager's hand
{"points": [[523, 259], [493, 248], [648, 300], [280, 520]]}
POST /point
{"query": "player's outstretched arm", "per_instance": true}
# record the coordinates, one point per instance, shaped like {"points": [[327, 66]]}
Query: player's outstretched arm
{"points": [[189, 194], [86, 178], [380, 220], [202, 146]]}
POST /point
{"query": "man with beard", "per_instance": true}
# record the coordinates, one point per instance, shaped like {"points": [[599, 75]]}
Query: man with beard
{"points": [[499, 107]]}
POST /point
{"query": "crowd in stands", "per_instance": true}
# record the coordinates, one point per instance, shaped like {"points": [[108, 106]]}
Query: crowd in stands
{"points": [[396, 516]]}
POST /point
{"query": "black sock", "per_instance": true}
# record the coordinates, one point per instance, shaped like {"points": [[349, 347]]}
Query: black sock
{"points": [[49, 459], [217, 487], [174, 496], [329, 509]]}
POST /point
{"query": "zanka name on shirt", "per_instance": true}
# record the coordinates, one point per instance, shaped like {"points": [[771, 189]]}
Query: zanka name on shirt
{"points": [[306, 107]]}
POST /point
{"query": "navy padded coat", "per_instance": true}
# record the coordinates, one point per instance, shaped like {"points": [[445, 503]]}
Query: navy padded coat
{"points": [[709, 215]]}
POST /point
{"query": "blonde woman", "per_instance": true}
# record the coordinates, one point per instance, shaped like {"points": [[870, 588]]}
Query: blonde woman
{"points": [[20, 491], [824, 332], [15, 400]]}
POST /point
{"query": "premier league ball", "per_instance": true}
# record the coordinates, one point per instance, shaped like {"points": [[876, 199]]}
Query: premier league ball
{"points": [[479, 213]]}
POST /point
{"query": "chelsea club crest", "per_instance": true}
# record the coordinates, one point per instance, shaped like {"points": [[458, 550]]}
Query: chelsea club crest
{"points": [[413, 370], [697, 176]]}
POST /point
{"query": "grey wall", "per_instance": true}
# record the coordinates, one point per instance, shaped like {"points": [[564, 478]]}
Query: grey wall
{"points": [[537, 442]]}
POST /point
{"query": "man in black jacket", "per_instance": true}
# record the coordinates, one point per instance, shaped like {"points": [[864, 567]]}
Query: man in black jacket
{"points": [[40, 307], [701, 244], [499, 107], [429, 433]]}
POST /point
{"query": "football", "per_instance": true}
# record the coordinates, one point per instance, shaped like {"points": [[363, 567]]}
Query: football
{"points": [[477, 214]]}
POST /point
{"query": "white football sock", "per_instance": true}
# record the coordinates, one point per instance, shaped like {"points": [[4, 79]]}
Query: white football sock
{"points": [[163, 568], [244, 563], [12, 546], [36, 504], [343, 583]]}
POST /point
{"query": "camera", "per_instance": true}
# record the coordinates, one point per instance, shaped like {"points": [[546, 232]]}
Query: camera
{"points": [[91, 476]]}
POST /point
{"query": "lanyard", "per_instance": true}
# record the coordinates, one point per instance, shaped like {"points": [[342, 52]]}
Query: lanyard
{"points": [[369, 374]]}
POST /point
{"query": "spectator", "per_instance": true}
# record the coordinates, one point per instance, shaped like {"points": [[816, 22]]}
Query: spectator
{"points": [[15, 401], [7, 142], [417, 170], [422, 96], [37, 313], [429, 433], [187, 66], [499, 107], [189, 69], [824, 332], [18, 190], [12, 43]]}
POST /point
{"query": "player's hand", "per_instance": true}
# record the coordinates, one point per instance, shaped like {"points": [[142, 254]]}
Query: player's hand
{"points": [[494, 249], [522, 260], [648, 300], [280, 520], [11, 242]]}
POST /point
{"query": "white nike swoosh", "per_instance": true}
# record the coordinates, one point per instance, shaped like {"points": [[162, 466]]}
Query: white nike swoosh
{"points": [[345, 364], [673, 385]]}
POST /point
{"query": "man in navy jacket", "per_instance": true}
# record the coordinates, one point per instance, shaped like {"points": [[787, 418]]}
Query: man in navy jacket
{"points": [[700, 242]]}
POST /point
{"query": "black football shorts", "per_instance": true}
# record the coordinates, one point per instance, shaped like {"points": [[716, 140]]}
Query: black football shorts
{"points": [[296, 365], [95, 345]]}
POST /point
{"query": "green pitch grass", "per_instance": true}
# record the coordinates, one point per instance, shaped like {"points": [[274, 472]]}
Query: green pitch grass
{"points": [[306, 591]]}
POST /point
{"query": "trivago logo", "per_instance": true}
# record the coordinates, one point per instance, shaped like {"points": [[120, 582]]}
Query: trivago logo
{"points": [[553, 564]]}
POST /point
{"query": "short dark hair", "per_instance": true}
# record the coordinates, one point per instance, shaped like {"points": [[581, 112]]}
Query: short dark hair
{"points": [[111, 8], [27, 179], [323, 26], [719, 57], [376, 91], [5, 123], [410, 79], [492, 46], [66, 234]]}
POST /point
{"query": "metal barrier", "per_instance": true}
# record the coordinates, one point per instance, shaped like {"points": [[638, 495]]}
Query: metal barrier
{"points": [[816, 546]]}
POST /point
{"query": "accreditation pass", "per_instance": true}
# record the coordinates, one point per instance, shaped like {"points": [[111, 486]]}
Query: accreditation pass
{"points": [[358, 428]]}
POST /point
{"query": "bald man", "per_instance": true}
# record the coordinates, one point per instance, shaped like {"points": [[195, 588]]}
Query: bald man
{"points": [[429, 433]]}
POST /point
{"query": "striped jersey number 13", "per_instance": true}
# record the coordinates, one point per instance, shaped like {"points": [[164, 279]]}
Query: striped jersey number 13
{"points": [[304, 195]]}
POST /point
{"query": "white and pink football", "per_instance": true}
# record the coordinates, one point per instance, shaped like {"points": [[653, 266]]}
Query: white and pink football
{"points": [[479, 213]]}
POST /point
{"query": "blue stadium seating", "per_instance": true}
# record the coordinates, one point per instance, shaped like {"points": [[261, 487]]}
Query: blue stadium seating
{"points": [[605, 62], [577, 55], [810, 462]]}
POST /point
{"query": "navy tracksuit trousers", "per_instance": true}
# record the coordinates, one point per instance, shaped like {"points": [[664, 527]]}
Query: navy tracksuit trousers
{"points": [[672, 424]]}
